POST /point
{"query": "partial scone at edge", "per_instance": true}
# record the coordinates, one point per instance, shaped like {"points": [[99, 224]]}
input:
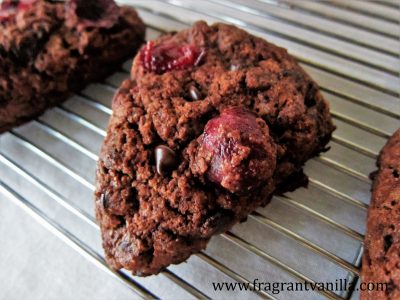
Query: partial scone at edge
{"points": [[212, 122], [381, 260], [50, 49]]}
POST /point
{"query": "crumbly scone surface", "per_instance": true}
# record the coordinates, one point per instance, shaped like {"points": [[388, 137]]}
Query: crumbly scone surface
{"points": [[150, 220]]}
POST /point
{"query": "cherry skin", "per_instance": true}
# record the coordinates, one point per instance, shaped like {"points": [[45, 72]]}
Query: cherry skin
{"points": [[240, 152], [162, 58], [9, 8]]}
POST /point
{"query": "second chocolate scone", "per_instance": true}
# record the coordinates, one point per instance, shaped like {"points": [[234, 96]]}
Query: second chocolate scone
{"points": [[381, 261], [212, 122], [49, 49]]}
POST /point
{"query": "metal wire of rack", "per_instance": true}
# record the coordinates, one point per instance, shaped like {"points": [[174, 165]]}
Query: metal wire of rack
{"points": [[351, 48]]}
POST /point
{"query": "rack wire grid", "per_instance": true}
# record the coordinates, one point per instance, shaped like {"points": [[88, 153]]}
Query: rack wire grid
{"points": [[351, 48]]}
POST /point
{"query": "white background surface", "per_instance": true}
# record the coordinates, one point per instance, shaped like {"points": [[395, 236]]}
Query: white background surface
{"points": [[35, 264]]}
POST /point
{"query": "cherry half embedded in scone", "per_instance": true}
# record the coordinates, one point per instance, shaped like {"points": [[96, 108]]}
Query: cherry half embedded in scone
{"points": [[161, 58], [240, 153], [92, 13], [9, 8]]}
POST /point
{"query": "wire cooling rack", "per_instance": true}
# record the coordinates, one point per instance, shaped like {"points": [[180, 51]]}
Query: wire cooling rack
{"points": [[351, 48]]}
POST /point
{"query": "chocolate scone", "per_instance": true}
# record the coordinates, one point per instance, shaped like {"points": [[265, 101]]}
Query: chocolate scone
{"points": [[211, 123], [381, 260], [49, 49]]}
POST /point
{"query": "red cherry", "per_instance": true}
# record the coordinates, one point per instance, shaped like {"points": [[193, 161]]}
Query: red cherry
{"points": [[25, 4], [162, 58], [9, 8], [241, 153]]}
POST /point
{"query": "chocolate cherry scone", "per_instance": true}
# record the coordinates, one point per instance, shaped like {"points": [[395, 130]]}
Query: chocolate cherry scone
{"points": [[210, 124], [49, 49], [381, 260]]}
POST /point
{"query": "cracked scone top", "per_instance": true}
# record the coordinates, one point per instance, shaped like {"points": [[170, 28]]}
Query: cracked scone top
{"points": [[211, 123]]}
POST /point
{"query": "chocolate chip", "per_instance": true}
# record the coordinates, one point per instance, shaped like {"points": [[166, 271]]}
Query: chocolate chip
{"points": [[309, 99], [234, 67], [218, 222], [90, 10], [388, 241], [237, 64], [104, 200], [165, 158], [194, 93], [93, 13]]}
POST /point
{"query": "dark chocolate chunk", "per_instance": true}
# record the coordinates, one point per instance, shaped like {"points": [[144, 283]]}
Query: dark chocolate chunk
{"points": [[104, 200], [165, 159], [92, 13], [194, 93]]}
